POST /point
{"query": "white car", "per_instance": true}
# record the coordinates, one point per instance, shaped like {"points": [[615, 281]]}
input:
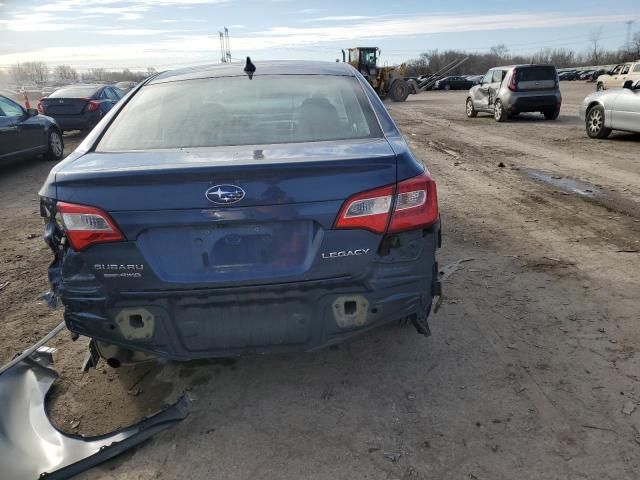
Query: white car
{"points": [[619, 75], [617, 109]]}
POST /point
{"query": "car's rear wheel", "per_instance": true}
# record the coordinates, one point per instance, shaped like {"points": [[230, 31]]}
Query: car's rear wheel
{"points": [[551, 114], [499, 113], [55, 146], [595, 123], [471, 110], [399, 91], [447, 87], [600, 86]]}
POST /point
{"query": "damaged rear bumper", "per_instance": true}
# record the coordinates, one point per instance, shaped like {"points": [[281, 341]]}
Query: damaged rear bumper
{"points": [[184, 324]]}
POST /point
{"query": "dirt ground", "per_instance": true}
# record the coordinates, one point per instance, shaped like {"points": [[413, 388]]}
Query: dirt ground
{"points": [[532, 371]]}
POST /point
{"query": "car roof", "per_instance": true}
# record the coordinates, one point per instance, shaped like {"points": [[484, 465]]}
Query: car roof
{"points": [[507, 67], [82, 85], [293, 67]]}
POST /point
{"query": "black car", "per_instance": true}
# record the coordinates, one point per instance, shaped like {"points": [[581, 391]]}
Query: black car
{"points": [[80, 107], [24, 133], [453, 83], [568, 75]]}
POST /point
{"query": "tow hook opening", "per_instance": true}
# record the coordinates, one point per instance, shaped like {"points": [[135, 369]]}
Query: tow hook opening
{"points": [[136, 323], [350, 311]]}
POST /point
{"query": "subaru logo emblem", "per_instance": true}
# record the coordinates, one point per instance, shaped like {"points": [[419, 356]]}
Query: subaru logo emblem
{"points": [[225, 194]]}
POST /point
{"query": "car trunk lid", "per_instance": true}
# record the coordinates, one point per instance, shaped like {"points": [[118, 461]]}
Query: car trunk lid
{"points": [[277, 229], [63, 106]]}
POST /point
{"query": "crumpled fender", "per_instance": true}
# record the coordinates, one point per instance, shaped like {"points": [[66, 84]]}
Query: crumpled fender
{"points": [[32, 448]]}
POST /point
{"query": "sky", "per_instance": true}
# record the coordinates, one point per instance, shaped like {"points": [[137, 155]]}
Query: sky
{"points": [[167, 34]]}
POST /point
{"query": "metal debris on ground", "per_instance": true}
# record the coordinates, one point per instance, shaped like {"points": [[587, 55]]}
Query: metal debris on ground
{"points": [[32, 448]]}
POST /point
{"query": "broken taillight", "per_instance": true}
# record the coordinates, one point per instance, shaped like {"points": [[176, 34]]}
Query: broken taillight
{"points": [[85, 226], [414, 202]]}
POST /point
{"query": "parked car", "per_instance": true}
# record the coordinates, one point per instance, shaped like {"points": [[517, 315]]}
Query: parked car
{"points": [[615, 109], [475, 79], [125, 86], [453, 83], [24, 133], [508, 91], [198, 222], [618, 75], [596, 74], [585, 74], [568, 75], [80, 107]]}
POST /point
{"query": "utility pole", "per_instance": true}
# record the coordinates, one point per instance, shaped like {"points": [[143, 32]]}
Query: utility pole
{"points": [[627, 44], [225, 51], [223, 57], [228, 49]]}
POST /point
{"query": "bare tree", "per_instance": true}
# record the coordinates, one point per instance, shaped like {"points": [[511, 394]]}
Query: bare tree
{"points": [[65, 72], [634, 47], [37, 72], [98, 74], [17, 73], [596, 50], [151, 71]]}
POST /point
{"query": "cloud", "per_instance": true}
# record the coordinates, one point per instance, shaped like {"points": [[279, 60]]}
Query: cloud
{"points": [[38, 22], [162, 51], [340, 18], [418, 26], [134, 32]]}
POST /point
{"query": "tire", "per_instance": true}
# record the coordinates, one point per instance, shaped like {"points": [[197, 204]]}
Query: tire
{"points": [[471, 110], [600, 86], [551, 114], [499, 113], [594, 123], [55, 146], [447, 87], [399, 91]]}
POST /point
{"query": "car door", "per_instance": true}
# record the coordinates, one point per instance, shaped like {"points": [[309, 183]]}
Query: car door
{"points": [[481, 95], [31, 136], [618, 79], [626, 110], [494, 86], [634, 73], [9, 129]]}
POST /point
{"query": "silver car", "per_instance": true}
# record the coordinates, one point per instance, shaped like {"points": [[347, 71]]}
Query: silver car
{"points": [[508, 91], [616, 109]]}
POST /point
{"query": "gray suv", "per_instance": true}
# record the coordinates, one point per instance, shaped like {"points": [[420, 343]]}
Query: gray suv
{"points": [[508, 91]]}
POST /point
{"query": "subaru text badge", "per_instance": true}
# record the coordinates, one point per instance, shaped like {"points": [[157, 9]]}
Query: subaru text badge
{"points": [[225, 194]]}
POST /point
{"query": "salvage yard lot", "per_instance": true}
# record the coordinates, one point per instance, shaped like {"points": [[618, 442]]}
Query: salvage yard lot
{"points": [[532, 370]]}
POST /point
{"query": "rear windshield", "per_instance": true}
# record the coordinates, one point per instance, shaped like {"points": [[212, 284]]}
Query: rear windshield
{"points": [[535, 74], [74, 92], [237, 111]]}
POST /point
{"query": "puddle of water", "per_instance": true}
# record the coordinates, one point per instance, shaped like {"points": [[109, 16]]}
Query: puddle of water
{"points": [[588, 191], [566, 184]]}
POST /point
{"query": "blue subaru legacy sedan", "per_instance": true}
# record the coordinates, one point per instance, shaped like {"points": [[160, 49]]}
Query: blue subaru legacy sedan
{"points": [[213, 213]]}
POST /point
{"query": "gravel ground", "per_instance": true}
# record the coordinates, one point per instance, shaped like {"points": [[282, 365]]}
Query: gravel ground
{"points": [[532, 370]]}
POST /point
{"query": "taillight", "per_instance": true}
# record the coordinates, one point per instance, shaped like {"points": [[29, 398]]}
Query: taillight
{"points": [[512, 81], [92, 106], [415, 205], [367, 210], [85, 226]]}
